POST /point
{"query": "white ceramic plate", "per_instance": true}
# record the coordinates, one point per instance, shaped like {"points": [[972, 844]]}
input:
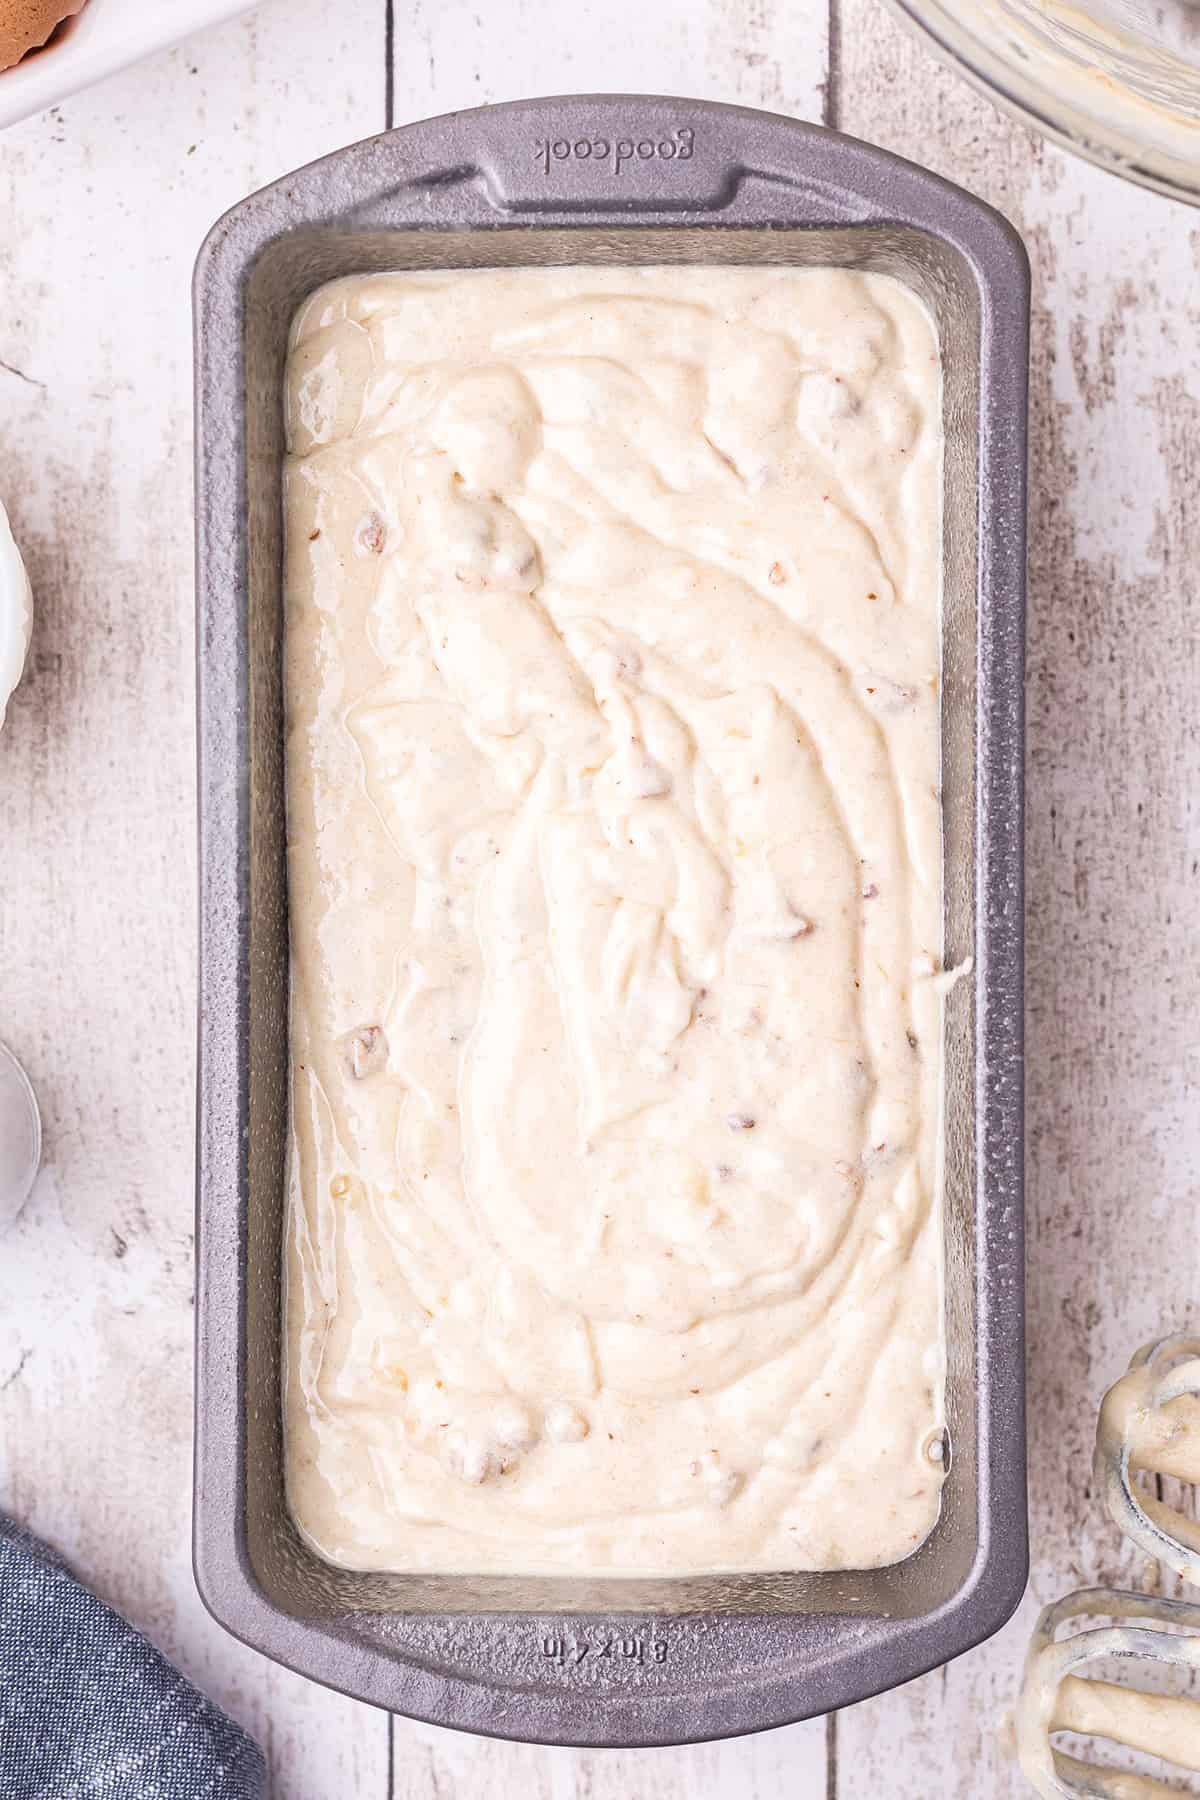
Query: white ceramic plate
{"points": [[106, 36]]}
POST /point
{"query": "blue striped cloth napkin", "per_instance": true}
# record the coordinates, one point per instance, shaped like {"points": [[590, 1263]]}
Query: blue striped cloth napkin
{"points": [[89, 1710]]}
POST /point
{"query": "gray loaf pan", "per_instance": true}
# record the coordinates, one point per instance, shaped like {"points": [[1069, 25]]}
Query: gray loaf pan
{"points": [[587, 1659]]}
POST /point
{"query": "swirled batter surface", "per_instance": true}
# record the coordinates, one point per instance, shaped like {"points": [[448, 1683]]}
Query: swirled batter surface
{"points": [[615, 882]]}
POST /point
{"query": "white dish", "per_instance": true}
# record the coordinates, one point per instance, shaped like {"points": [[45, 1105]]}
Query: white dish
{"points": [[106, 36], [16, 613], [20, 1137]]}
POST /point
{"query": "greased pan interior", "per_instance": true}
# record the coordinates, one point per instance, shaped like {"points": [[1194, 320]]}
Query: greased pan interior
{"points": [[612, 179]]}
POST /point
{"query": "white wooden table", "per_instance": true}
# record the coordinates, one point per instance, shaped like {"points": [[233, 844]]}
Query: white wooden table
{"points": [[102, 206]]}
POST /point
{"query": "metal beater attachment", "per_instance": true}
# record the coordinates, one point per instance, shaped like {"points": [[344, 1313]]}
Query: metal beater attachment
{"points": [[1054, 1697], [1141, 1429], [1149, 1421]]}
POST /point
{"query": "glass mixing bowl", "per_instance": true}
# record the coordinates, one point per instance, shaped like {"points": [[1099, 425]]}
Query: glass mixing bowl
{"points": [[1116, 80]]}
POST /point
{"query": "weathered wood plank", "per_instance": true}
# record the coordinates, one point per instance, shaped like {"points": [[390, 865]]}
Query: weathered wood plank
{"points": [[105, 202], [450, 54], [770, 1766], [1113, 762]]}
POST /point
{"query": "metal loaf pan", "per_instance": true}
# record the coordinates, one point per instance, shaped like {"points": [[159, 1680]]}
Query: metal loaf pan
{"points": [[613, 179]]}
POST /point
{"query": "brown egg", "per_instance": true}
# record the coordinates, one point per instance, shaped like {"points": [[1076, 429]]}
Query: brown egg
{"points": [[26, 24]]}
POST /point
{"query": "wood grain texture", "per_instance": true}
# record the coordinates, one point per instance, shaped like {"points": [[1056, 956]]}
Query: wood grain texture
{"points": [[1113, 844], [105, 201], [453, 53]]}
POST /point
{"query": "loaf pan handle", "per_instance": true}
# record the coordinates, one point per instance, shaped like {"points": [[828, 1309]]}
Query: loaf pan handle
{"points": [[618, 153]]}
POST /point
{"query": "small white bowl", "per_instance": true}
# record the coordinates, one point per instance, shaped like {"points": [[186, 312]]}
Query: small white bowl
{"points": [[107, 35]]}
